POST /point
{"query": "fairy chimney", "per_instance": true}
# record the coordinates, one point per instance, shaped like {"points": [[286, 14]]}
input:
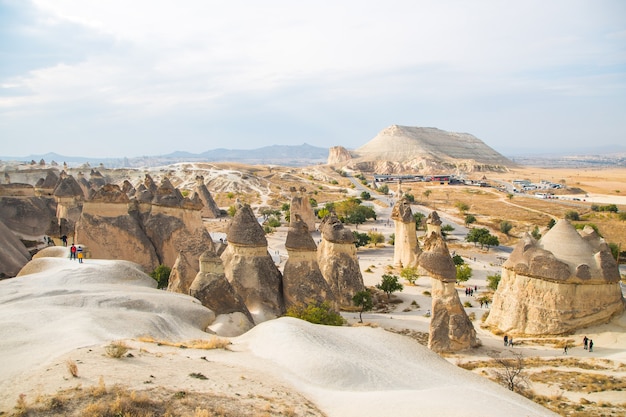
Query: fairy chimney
{"points": [[301, 206], [566, 281], [303, 282], [250, 269], [210, 209], [336, 256], [406, 248], [451, 329]]}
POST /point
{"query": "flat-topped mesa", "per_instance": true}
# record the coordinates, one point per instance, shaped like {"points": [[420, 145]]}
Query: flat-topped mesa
{"points": [[211, 287], [433, 224], [301, 205], [336, 256], [303, 282], [566, 281], [210, 209], [406, 248], [451, 329], [250, 269]]}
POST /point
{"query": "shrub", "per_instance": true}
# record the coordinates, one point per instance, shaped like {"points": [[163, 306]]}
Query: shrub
{"points": [[505, 227], [410, 274], [493, 281], [469, 219], [360, 239], [273, 222], [317, 313], [467, 304], [392, 239], [426, 293], [463, 272], [116, 349], [572, 215], [409, 197], [376, 237], [366, 196], [161, 275], [72, 368], [458, 260]]}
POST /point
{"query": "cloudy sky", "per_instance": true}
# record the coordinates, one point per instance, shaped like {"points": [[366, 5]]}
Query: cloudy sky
{"points": [[112, 78]]}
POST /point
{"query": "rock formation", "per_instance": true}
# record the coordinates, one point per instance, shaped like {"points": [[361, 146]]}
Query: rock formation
{"points": [[250, 269], [433, 223], [403, 148], [563, 282], [13, 253], [69, 197], [303, 282], [211, 287], [301, 206], [451, 329], [210, 209], [406, 248], [112, 228], [338, 154], [336, 256]]}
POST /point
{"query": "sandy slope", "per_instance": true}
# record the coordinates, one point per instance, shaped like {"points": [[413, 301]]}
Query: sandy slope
{"points": [[62, 309]]}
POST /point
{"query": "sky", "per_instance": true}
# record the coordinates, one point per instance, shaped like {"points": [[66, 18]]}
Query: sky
{"points": [[119, 78]]}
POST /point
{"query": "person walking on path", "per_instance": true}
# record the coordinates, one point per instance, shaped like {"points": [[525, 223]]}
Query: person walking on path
{"points": [[79, 251], [590, 345], [64, 240], [506, 340], [565, 349], [72, 252], [511, 341], [585, 342]]}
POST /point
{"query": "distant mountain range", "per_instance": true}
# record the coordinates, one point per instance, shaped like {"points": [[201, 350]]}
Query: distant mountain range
{"points": [[305, 154], [287, 155]]}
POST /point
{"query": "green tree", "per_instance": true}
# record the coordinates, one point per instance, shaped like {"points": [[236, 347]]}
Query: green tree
{"points": [[376, 237], [364, 300], [551, 224], [366, 196], [535, 233], [419, 219], [392, 239], [389, 284], [463, 272], [469, 219], [458, 260], [360, 239], [383, 189], [493, 281], [410, 274], [489, 241], [461, 206], [572, 215], [273, 222], [409, 197], [285, 207], [161, 275], [312, 202], [505, 227], [317, 313]]}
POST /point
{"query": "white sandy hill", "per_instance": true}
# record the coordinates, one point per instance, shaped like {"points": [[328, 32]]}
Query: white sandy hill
{"points": [[58, 307]]}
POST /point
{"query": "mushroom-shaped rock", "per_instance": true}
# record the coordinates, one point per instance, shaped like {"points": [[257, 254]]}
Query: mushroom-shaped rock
{"points": [[336, 256], [406, 248]]}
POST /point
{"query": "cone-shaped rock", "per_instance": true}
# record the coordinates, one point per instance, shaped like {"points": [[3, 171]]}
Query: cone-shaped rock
{"points": [[250, 269], [565, 281], [210, 209], [303, 282], [338, 261], [215, 292]]}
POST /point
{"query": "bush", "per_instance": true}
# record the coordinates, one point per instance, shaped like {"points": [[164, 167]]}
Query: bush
{"points": [[458, 260], [493, 281], [469, 219], [317, 313], [467, 304], [360, 239], [572, 215], [463, 272], [505, 227], [273, 222], [376, 237], [162, 275], [410, 274], [116, 349]]}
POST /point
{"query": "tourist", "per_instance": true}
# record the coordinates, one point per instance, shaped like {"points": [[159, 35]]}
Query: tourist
{"points": [[79, 252], [565, 349], [72, 252], [590, 345], [585, 342], [511, 341], [506, 340], [64, 240]]}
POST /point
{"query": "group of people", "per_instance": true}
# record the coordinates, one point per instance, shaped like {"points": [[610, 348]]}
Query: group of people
{"points": [[469, 291], [508, 340], [76, 252], [588, 344]]}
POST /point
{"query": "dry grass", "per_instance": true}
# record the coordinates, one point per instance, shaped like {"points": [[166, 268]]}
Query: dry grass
{"points": [[116, 349], [72, 368], [577, 381], [204, 344], [120, 401]]}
